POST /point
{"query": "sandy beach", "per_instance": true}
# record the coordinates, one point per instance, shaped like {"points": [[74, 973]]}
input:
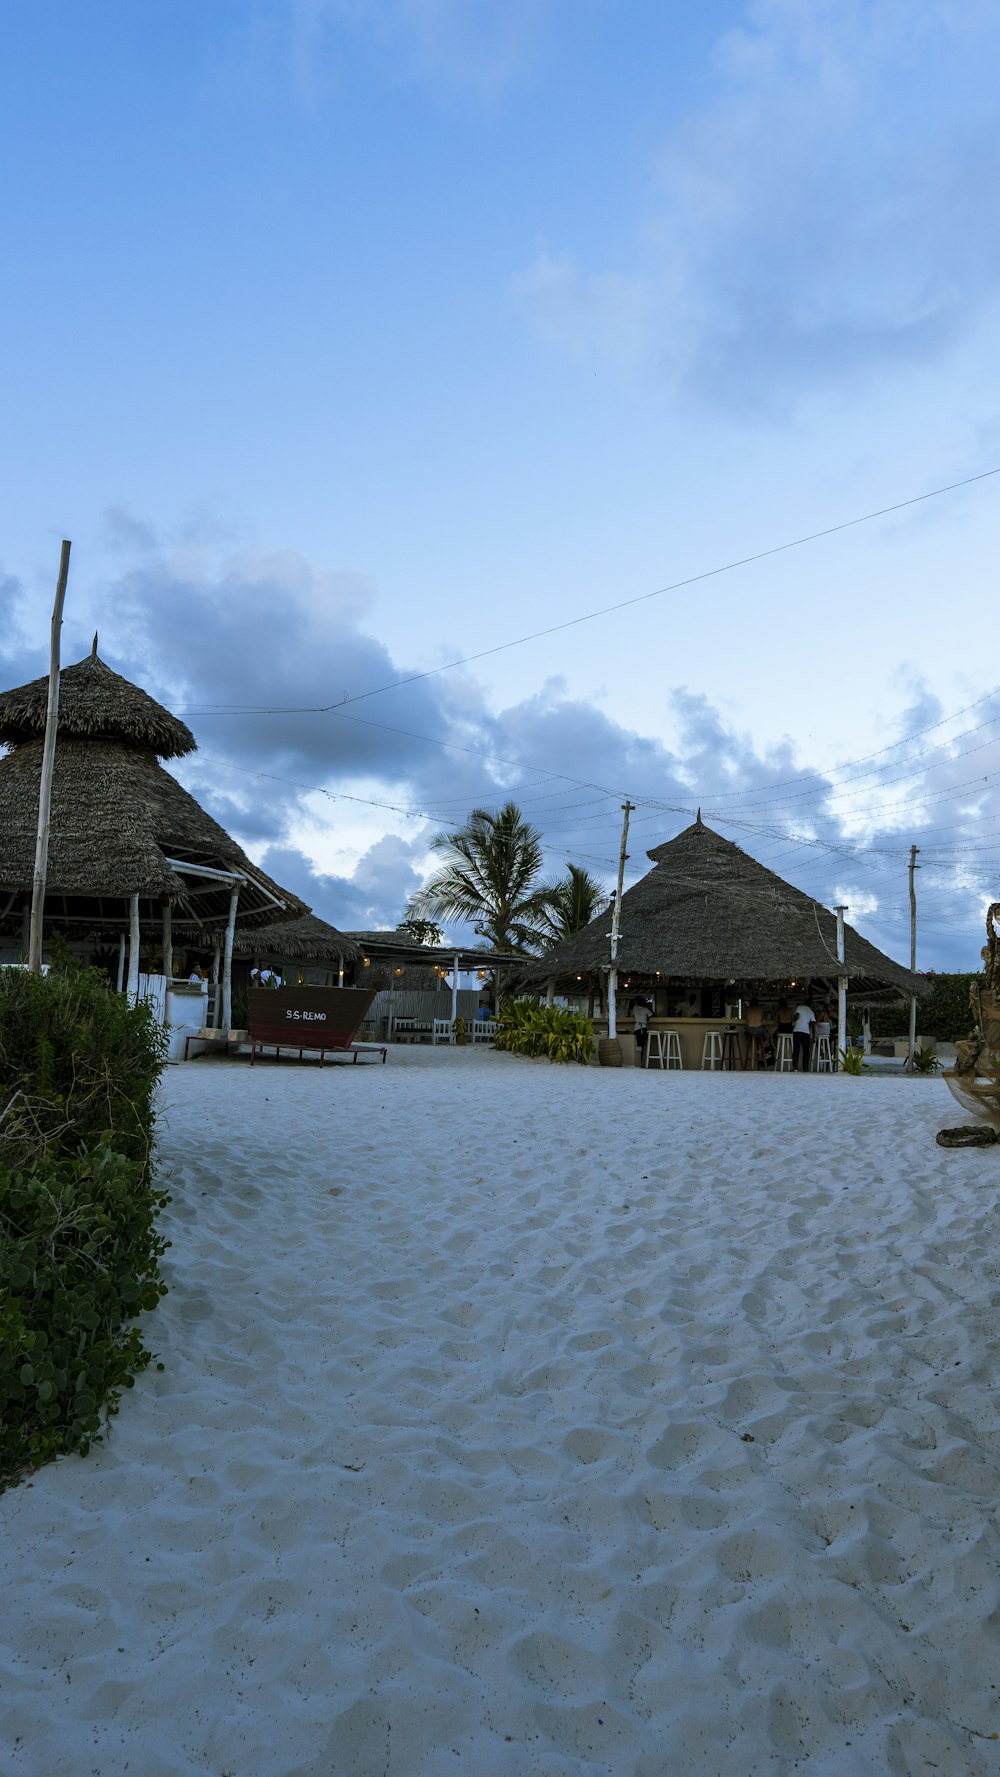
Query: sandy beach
{"points": [[529, 1421]]}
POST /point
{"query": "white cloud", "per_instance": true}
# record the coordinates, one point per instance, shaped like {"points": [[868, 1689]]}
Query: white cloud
{"points": [[828, 212]]}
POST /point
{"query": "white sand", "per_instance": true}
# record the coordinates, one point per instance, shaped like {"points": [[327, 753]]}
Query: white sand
{"points": [[525, 1420]]}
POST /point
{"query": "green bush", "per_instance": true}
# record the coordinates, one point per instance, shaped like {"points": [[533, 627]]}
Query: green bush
{"points": [[78, 1244], [944, 1014], [525, 1028], [78, 1064], [78, 1261]]}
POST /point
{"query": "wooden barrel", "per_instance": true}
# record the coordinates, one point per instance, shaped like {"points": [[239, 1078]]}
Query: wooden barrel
{"points": [[609, 1052]]}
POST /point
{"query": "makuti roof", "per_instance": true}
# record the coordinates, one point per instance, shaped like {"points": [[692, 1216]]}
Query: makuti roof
{"points": [[119, 823], [709, 911], [306, 939]]}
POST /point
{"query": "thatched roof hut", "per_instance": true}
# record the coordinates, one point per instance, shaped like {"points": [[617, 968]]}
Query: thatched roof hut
{"points": [[708, 912], [120, 825], [308, 939]]}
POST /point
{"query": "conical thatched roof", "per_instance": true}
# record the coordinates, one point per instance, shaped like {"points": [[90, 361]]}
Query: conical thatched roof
{"points": [[306, 939], [710, 912], [120, 825], [99, 704]]}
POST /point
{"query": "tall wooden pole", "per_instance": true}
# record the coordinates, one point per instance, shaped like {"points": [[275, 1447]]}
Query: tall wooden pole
{"points": [[627, 808], [913, 955], [48, 763], [227, 963], [842, 1040]]}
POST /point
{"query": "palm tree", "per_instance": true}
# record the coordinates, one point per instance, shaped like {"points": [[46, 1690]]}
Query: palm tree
{"points": [[490, 878], [574, 902]]}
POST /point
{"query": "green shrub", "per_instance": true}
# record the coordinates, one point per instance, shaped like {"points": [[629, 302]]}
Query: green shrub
{"points": [[525, 1028], [78, 1261], [925, 1061], [78, 1244], [78, 1064], [852, 1061], [944, 1014]]}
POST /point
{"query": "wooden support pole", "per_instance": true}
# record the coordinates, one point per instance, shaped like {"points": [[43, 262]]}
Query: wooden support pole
{"points": [[45, 780], [841, 987], [227, 963], [627, 807], [454, 990], [120, 983], [914, 866]]}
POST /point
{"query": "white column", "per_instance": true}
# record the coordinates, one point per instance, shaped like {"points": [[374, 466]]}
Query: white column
{"points": [[168, 942], [454, 991], [841, 984], [133, 949], [227, 963], [120, 983]]}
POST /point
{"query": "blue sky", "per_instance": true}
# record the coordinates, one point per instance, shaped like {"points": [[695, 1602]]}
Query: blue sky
{"points": [[347, 340]]}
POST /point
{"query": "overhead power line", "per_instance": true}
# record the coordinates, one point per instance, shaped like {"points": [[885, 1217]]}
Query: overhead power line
{"points": [[638, 598]]}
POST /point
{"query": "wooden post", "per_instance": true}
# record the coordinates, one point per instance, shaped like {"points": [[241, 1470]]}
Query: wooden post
{"points": [[120, 983], [45, 781], [841, 986], [227, 964], [550, 991], [25, 928], [627, 807], [133, 949], [340, 973], [913, 956], [454, 991]]}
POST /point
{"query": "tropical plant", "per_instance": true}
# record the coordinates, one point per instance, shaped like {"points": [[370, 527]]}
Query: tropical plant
{"points": [[574, 902], [526, 1028], [925, 1061], [460, 1030], [422, 931], [491, 879], [852, 1061]]}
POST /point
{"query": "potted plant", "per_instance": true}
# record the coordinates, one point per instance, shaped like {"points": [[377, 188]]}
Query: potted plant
{"points": [[460, 1030]]}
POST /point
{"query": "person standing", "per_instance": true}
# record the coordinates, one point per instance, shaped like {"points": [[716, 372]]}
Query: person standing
{"points": [[640, 1015], [802, 1030]]}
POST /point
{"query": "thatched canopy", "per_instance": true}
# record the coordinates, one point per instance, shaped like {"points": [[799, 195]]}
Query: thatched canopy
{"points": [[97, 704], [120, 824], [308, 939], [709, 912], [393, 946]]}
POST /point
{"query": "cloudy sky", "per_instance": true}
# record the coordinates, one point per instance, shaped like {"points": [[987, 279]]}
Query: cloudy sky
{"points": [[405, 371]]}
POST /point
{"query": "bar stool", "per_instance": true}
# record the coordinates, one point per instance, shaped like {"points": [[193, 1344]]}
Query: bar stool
{"points": [[783, 1053], [731, 1053], [711, 1051], [667, 1050], [823, 1060]]}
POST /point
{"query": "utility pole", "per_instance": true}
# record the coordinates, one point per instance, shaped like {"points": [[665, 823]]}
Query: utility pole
{"points": [[914, 866], [627, 808], [45, 780]]}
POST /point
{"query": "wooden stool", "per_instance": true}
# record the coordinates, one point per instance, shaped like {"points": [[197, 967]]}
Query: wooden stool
{"points": [[711, 1050], [652, 1055], [783, 1053], [731, 1053], [673, 1041], [823, 1060]]}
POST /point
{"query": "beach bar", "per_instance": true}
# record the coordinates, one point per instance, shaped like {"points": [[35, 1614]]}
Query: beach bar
{"points": [[700, 935]]}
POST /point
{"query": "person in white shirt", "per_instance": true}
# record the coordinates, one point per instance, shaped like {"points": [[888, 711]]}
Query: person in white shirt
{"points": [[805, 1018], [640, 1014]]}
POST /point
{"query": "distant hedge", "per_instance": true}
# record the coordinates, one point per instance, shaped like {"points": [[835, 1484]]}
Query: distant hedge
{"points": [[79, 1248], [944, 1014]]}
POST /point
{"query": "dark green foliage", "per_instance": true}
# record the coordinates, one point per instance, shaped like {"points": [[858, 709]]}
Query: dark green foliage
{"points": [[944, 1014], [78, 1064], [78, 1243], [78, 1260], [526, 1028]]}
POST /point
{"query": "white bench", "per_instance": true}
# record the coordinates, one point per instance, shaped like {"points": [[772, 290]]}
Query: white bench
{"points": [[483, 1030], [442, 1032]]}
